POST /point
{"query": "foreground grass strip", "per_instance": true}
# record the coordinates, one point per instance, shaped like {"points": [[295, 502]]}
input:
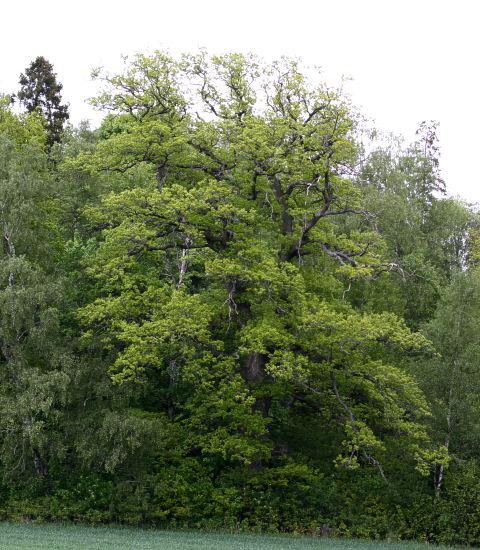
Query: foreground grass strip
{"points": [[56, 537]]}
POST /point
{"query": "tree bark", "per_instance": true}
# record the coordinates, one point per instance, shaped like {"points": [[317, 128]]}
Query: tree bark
{"points": [[41, 467]]}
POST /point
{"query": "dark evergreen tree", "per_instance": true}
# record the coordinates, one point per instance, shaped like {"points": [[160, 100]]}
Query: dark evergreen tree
{"points": [[41, 91]]}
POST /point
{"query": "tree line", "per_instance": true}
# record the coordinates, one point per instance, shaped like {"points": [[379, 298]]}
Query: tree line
{"points": [[231, 306]]}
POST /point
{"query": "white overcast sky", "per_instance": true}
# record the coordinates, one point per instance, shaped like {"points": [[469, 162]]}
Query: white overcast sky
{"points": [[409, 60]]}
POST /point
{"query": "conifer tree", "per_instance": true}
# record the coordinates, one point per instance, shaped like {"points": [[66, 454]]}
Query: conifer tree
{"points": [[40, 91]]}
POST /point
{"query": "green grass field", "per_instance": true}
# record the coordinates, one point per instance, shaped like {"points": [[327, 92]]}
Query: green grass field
{"points": [[56, 537]]}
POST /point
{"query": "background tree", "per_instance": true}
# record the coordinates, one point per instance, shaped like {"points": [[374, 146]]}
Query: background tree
{"points": [[425, 232], [452, 379], [40, 91], [34, 365]]}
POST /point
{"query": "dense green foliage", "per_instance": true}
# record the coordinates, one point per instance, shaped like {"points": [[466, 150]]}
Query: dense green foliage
{"points": [[225, 307]]}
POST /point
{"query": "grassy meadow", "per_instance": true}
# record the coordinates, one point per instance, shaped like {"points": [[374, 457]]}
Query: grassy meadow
{"points": [[57, 537]]}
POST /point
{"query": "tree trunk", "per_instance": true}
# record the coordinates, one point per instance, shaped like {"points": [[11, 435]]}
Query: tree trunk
{"points": [[441, 472], [41, 467]]}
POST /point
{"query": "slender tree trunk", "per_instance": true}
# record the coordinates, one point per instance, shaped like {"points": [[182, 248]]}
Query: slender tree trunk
{"points": [[441, 472], [10, 251]]}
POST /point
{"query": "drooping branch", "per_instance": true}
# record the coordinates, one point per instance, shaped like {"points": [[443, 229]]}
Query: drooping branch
{"points": [[355, 427]]}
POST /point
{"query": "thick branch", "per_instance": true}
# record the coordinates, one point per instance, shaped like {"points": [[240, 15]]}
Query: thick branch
{"points": [[328, 196]]}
